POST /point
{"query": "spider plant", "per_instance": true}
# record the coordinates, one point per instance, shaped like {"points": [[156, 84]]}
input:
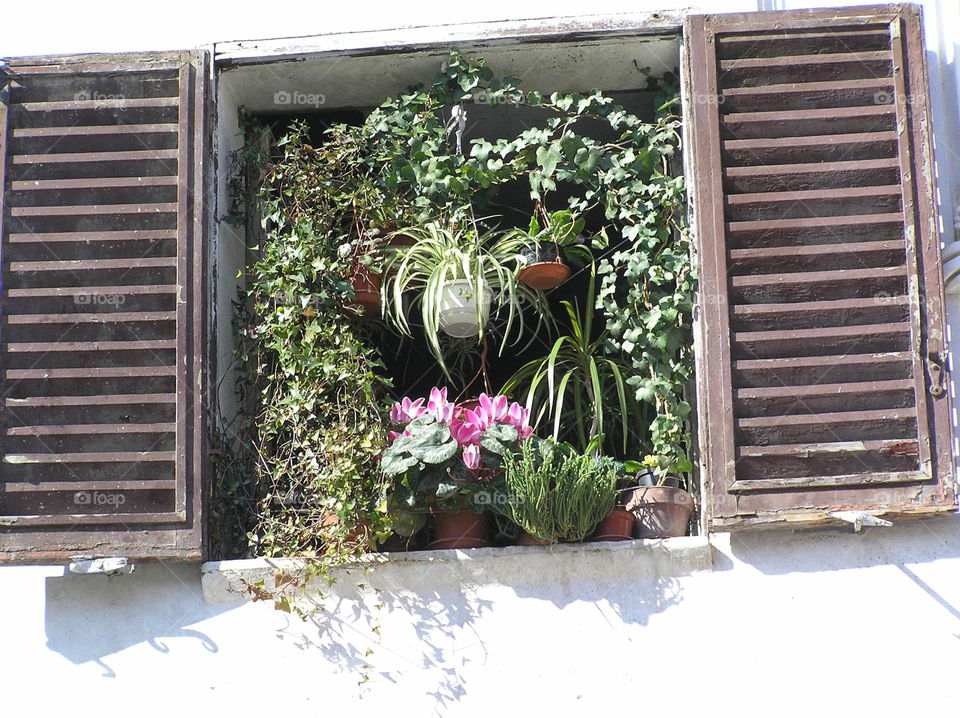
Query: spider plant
{"points": [[580, 389], [441, 255]]}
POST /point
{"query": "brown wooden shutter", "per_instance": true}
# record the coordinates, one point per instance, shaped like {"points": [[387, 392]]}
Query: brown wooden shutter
{"points": [[820, 354], [101, 443]]}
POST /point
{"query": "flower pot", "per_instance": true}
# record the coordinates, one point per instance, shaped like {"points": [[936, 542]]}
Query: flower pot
{"points": [[617, 526], [366, 289], [463, 529], [458, 308], [526, 539], [661, 511], [544, 266]]}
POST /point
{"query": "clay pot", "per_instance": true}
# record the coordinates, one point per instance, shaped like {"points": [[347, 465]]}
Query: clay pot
{"points": [[366, 288], [526, 539], [617, 526], [357, 535], [544, 266], [463, 529], [661, 511]]}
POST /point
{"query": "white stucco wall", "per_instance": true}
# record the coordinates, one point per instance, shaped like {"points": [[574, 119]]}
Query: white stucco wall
{"points": [[792, 624]]}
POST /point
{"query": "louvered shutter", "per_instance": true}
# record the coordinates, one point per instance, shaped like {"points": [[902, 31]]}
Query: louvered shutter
{"points": [[820, 350], [102, 313]]}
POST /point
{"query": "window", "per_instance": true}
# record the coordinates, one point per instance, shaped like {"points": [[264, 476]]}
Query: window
{"points": [[820, 350]]}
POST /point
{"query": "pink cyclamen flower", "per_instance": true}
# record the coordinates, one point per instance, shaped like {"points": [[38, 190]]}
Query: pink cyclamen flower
{"points": [[439, 406], [407, 410], [492, 409], [465, 432], [393, 435], [471, 456]]}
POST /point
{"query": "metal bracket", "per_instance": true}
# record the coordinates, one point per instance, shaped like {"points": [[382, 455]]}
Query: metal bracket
{"points": [[115, 566], [859, 519]]}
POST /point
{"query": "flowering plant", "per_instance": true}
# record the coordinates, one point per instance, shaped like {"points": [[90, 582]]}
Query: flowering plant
{"points": [[442, 451]]}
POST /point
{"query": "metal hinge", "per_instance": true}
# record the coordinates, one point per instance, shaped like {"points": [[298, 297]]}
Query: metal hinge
{"points": [[935, 372]]}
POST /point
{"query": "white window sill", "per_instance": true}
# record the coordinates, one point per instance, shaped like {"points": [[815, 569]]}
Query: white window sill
{"points": [[225, 581]]}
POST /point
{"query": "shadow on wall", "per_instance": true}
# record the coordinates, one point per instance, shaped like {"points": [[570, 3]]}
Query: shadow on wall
{"points": [[457, 612], [783, 552], [92, 616]]}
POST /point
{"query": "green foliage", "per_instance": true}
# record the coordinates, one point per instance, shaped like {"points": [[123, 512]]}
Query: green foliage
{"points": [[579, 389], [320, 384], [326, 209], [555, 493]]}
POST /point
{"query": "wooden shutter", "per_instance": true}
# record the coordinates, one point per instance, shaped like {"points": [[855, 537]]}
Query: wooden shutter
{"points": [[101, 443], [821, 371]]}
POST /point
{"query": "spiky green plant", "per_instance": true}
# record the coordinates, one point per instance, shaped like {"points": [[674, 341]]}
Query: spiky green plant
{"points": [[579, 388], [555, 493]]}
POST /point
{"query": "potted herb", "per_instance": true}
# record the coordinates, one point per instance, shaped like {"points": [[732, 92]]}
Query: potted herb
{"points": [[542, 255], [555, 493], [446, 459], [661, 506]]}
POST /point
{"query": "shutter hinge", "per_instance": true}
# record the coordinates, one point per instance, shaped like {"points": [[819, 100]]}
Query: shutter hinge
{"points": [[935, 373]]}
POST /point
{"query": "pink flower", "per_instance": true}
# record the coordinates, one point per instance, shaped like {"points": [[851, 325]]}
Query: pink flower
{"points": [[492, 409], [465, 432], [471, 456], [407, 410], [439, 406], [393, 435]]}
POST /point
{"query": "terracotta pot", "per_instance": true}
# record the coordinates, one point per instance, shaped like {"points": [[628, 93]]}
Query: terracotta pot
{"points": [[358, 534], [545, 268], [526, 539], [617, 526], [366, 288], [463, 529], [661, 511]]}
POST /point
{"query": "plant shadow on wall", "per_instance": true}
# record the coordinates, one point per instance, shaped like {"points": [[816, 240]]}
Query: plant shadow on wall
{"points": [[90, 617], [394, 260]]}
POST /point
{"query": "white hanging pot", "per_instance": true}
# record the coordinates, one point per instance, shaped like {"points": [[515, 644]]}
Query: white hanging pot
{"points": [[458, 308]]}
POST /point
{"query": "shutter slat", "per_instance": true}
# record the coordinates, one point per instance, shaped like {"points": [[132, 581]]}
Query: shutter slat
{"points": [[84, 157], [147, 485], [812, 148], [45, 211], [796, 42], [820, 294], [808, 95], [95, 104], [90, 182], [92, 429]]}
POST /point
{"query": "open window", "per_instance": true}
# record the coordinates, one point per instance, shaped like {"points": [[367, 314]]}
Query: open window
{"points": [[101, 342]]}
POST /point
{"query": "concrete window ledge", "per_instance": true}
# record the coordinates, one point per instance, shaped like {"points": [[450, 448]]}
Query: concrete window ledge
{"points": [[520, 566]]}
